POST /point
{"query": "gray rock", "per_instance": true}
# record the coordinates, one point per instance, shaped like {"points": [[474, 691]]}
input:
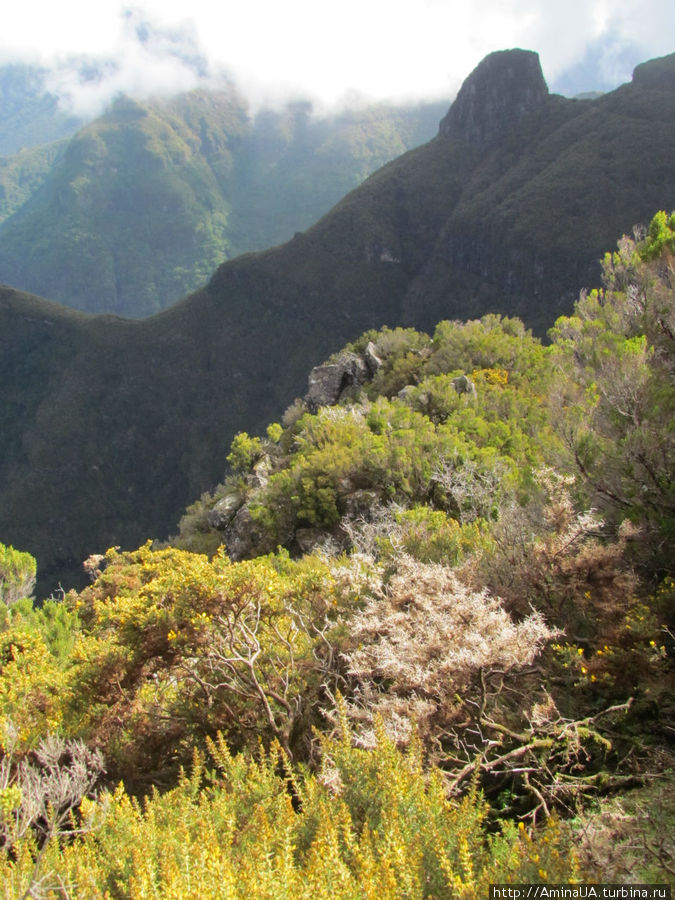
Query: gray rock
{"points": [[308, 538], [345, 485], [261, 472], [358, 502], [241, 536], [503, 88], [222, 513], [327, 383]]}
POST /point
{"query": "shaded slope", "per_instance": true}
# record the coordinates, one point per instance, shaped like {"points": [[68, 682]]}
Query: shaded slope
{"points": [[120, 424], [109, 426], [526, 235]]}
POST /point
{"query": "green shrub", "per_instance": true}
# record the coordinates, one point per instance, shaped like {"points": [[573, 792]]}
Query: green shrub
{"points": [[17, 575]]}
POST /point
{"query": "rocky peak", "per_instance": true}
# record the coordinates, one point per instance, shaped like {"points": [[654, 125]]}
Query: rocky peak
{"points": [[656, 74], [501, 89]]}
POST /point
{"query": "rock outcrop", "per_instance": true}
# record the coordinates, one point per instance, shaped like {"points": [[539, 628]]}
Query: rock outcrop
{"points": [[327, 383], [224, 511], [501, 89], [464, 385]]}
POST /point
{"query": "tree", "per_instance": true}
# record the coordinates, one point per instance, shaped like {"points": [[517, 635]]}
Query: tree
{"points": [[616, 393], [17, 575]]}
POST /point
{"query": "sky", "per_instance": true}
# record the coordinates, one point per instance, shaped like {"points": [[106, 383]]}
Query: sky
{"points": [[331, 52]]}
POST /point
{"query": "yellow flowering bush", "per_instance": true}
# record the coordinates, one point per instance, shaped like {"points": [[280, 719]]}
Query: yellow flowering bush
{"points": [[174, 646], [371, 825]]}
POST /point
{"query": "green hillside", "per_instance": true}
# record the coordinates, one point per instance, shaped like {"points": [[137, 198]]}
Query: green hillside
{"points": [[146, 201], [23, 173], [113, 426]]}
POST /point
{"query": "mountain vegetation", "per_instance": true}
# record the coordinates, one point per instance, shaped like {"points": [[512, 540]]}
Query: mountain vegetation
{"points": [[143, 203], [23, 173], [419, 640], [111, 427]]}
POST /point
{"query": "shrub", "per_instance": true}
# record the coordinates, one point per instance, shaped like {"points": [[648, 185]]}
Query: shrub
{"points": [[371, 824], [17, 575], [422, 645], [174, 646]]}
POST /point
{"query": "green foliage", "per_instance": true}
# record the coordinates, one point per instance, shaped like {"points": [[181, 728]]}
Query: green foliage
{"points": [[402, 351], [244, 452], [274, 432], [17, 575], [21, 175], [173, 646], [462, 440], [456, 543], [35, 648], [430, 535], [660, 236], [147, 200], [522, 226], [617, 408], [33, 688], [30, 116], [493, 342], [388, 449]]}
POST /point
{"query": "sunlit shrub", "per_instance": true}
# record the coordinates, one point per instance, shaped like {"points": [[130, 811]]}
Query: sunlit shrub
{"points": [[421, 644], [371, 824]]}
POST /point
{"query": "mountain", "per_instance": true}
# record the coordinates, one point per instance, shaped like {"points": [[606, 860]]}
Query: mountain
{"points": [[109, 427], [144, 202]]}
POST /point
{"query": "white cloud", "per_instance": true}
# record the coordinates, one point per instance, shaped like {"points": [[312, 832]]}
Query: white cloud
{"points": [[379, 48], [146, 61]]}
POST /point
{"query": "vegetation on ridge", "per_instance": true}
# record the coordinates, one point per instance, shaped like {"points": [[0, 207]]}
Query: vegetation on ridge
{"points": [[442, 634]]}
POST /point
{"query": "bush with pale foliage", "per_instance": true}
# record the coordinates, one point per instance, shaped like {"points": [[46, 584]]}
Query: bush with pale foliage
{"points": [[421, 644]]}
